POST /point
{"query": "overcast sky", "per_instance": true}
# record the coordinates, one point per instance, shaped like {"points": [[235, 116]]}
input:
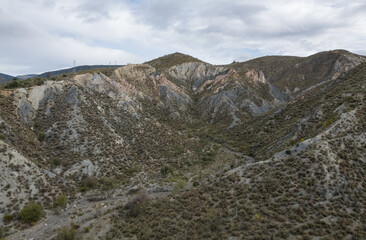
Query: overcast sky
{"points": [[41, 35]]}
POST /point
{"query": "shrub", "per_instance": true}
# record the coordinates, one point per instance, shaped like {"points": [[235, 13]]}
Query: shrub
{"points": [[39, 81], [208, 156], [178, 150], [132, 171], [13, 84], [165, 170], [180, 184], [8, 218], [41, 136], [108, 183], [2, 232], [331, 119], [135, 206], [288, 152], [56, 161], [90, 182], [66, 233], [32, 212], [60, 201]]}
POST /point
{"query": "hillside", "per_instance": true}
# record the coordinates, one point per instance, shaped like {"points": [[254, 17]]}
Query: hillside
{"points": [[5, 78], [272, 148], [76, 69]]}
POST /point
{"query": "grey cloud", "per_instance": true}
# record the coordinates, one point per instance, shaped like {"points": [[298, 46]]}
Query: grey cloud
{"points": [[47, 33]]}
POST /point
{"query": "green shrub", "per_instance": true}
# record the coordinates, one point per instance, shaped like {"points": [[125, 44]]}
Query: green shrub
{"points": [[178, 150], [108, 183], [180, 184], [56, 161], [60, 201], [165, 170], [8, 218], [330, 119], [41, 136], [132, 171], [90, 182], [32, 212], [136, 205], [207, 156], [13, 84], [66, 233]]}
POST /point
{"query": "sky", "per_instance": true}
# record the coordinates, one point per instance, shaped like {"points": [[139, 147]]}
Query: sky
{"points": [[41, 35]]}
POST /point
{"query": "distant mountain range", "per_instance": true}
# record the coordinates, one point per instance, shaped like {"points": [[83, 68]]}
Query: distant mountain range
{"points": [[6, 78]]}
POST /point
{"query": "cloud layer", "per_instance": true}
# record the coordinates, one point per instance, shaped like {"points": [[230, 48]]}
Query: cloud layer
{"points": [[39, 35]]}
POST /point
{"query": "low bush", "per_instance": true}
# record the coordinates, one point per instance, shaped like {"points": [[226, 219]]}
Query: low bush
{"points": [[108, 183], [165, 170], [41, 136], [208, 156], [8, 218], [60, 201], [90, 182], [135, 206], [56, 161], [66, 233], [32, 212]]}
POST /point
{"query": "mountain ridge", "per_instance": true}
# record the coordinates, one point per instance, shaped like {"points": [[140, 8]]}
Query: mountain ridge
{"points": [[221, 148]]}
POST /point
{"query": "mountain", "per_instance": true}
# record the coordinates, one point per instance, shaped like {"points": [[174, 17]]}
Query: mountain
{"points": [[170, 60], [76, 70], [272, 148], [67, 70], [5, 78]]}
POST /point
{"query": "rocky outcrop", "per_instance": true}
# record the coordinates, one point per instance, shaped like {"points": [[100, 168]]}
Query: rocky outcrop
{"points": [[22, 181]]}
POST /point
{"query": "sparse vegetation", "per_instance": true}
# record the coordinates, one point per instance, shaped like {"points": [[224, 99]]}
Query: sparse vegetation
{"points": [[211, 178], [108, 183]]}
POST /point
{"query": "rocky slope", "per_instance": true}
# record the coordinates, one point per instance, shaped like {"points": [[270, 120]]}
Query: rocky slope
{"points": [[267, 144], [314, 188]]}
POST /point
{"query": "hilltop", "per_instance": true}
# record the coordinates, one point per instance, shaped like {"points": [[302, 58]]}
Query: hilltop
{"points": [[170, 60]]}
